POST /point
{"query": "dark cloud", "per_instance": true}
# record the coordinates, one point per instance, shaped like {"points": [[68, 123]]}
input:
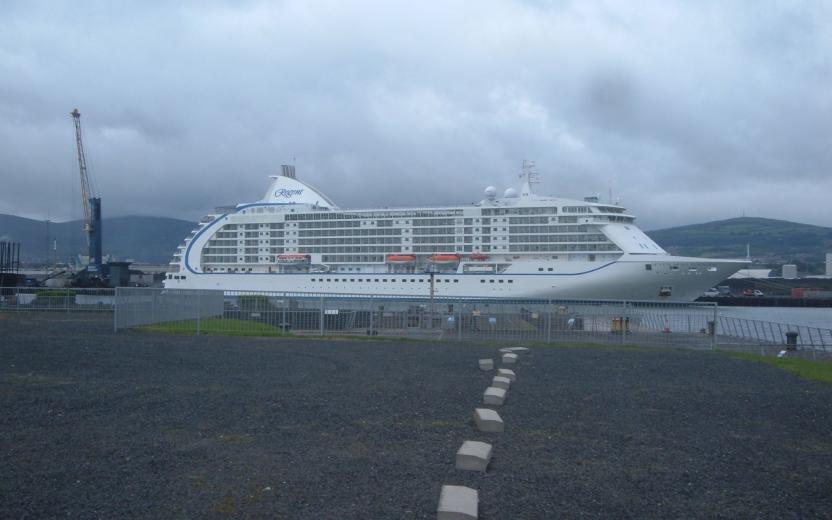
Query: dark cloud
{"points": [[686, 111]]}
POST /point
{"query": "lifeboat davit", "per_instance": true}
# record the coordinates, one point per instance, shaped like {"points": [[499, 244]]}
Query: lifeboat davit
{"points": [[293, 258], [441, 258], [401, 259], [478, 257]]}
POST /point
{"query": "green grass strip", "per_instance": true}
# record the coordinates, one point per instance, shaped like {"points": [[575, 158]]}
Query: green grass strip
{"points": [[805, 368], [219, 326]]}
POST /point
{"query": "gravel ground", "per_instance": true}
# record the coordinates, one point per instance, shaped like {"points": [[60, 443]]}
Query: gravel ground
{"points": [[103, 425]]}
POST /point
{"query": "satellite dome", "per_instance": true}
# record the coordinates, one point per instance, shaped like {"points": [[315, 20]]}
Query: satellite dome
{"points": [[510, 193], [490, 193]]}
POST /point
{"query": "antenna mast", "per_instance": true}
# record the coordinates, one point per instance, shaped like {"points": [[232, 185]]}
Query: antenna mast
{"points": [[530, 177]]}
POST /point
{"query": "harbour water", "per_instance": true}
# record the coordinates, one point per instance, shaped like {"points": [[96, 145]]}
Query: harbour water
{"points": [[820, 317]]}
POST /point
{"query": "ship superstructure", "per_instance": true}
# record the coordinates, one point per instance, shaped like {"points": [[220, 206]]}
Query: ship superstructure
{"points": [[518, 245]]}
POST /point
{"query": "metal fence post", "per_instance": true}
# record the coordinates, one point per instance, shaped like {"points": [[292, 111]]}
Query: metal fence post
{"points": [[624, 323], [198, 311], [283, 324], [549, 322], [459, 320], [714, 340], [115, 309], [321, 319]]}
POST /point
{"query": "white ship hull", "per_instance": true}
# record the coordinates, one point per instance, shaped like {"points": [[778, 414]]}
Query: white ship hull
{"points": [[626, 279]]}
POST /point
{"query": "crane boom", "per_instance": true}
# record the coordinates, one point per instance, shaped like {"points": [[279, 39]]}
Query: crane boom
{"points": [[82, 166], [90, 203]]}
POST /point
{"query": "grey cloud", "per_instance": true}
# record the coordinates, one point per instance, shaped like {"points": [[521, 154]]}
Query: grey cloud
{"points": [[687, 111]]}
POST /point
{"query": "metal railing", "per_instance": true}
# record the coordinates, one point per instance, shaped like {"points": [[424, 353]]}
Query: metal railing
{"points": [[56, 300], [689, 325], [774, 333], [271, 313]]}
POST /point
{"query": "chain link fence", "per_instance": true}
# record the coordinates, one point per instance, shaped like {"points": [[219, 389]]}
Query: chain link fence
{"points": [[56, 300], [684, 325]]}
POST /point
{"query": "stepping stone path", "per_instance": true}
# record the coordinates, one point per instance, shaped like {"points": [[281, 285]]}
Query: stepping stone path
{"points": [[460, 502], [473, 456], [457, 503], [494, 396], [488, 420]]}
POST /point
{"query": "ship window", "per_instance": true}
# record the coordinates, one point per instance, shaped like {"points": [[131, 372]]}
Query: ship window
{"points": [[490, 281], [539, 268], [375, 280], [511, 281], [456, 281], [648, 267], [352, 279], [329, 279], [412, 279], [551, 269], [501, 281], [384, 279], [482, 281]]}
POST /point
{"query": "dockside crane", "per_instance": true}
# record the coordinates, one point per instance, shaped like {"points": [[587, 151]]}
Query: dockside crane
{"points": [[91, 205]]}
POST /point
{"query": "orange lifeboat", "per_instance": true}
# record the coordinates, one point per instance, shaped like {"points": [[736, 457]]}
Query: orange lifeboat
{"points": [[444, 258], [478, 257], [401, 259]]}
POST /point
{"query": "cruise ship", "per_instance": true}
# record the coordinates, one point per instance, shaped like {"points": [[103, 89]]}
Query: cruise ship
{"points": [[518, 245]]}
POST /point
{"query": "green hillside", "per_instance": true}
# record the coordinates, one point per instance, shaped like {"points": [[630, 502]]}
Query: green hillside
{"points": [[770, 240], [143, 239]]}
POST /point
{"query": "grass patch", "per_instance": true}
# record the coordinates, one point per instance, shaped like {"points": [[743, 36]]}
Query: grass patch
{"points": [[219, 326], [807, 369]]}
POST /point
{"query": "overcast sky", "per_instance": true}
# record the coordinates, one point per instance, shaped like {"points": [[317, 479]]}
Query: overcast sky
{"points": [[685, 111]]}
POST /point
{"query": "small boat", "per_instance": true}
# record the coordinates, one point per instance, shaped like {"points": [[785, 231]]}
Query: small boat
{"points": [[478, 257], [401, 259], [444, 258]]}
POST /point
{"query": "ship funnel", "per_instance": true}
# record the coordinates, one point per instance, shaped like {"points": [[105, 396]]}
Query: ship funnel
{"points": [[288, 170]]}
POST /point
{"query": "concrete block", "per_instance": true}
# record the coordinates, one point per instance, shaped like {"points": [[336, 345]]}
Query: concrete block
{"points": [[494, 396], [507, 373], [486, 364], [510, 359], [473, 456], [488, 420], [501, 382], [457, 503]]}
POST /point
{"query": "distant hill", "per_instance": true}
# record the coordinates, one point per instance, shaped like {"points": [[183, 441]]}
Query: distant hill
{"points": [[143, 239], [770, 240]]}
